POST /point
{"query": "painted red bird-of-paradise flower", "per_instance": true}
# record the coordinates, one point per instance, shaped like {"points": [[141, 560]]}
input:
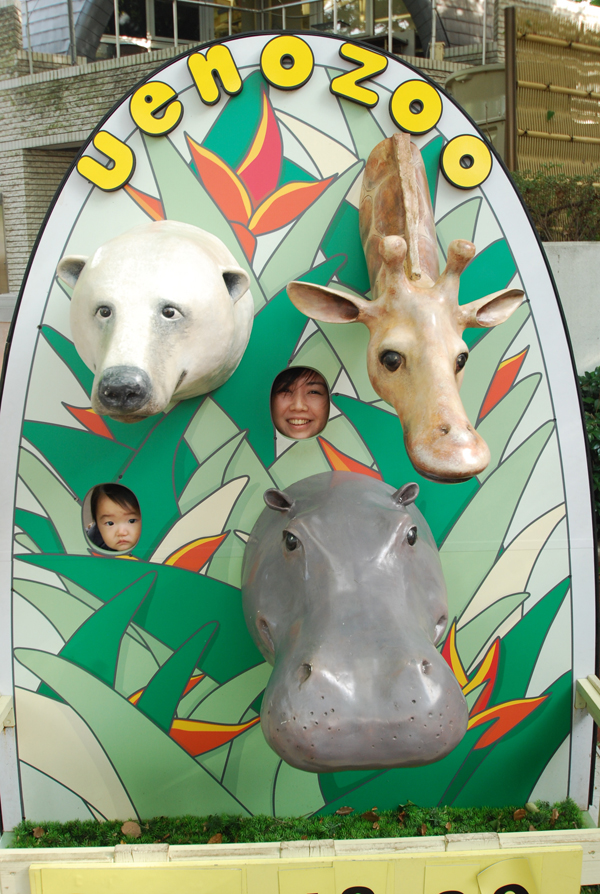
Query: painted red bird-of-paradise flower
{"points": [[503, 717], [249, 197]]}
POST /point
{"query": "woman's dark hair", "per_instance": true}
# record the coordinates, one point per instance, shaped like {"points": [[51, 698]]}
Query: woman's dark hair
{"points": [[118, 494], [293, 374]]}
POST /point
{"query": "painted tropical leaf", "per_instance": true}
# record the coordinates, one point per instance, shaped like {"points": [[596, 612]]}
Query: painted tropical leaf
{"points": [[489, 271], [221, 183], [297, 250], [505, 376], [174, 773], [151, 205], [261, 167], [499, 426], [287, 203], [491, 509], [197, 737], [180, 601], [162, 693], [185, 199]]}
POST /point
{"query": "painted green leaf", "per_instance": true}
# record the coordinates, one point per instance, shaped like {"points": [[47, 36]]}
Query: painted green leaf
{"points": [[135, 666], [155, 490], [296, 793], [209, 429], [185, 199], [350, 342], [490, 510], [230, 702], [343, 237], [431, 159], [522, 645], [180, 601], [60, 505], [160, 697], [232, 133], [184, 466], [364, 130], [160, 778], [67, 352], [64, 612], [209, 476], [498, 426], [104, 459], [484, 360], [441, 504], [245, 396], [460, 223], [95, 645], [520, 757], [40, 529], [302, 459], [489, 271], [317, 353], [471, 638], [250, 757], [297, 250]]}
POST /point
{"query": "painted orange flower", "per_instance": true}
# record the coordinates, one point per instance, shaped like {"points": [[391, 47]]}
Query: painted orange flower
{"points": [[505, 716], [248, 196]]}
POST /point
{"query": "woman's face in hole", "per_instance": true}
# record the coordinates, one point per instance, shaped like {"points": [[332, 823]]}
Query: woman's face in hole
{"points": [[301, 410], [120, 526]]}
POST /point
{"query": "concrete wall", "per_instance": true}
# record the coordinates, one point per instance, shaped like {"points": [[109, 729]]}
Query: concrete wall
{"points": [[576, 269]]}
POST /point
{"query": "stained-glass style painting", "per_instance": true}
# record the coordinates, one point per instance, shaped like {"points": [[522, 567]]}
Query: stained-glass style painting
{"points": [[137, 686]]}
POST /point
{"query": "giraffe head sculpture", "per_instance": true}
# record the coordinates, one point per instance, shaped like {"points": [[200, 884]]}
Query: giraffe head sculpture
{"points": [[416, 354]]}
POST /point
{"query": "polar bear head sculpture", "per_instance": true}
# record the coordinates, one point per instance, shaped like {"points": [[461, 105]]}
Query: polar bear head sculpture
{"points": [[162, 312]]}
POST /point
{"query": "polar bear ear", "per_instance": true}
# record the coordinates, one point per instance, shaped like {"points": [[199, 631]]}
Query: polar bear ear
{"points": [[69, 269], [237, 282]]}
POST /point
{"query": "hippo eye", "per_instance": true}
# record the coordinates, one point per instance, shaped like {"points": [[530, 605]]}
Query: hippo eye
{"points": [[411, 536], [170, 313], [104, 311], [460, 361], [391, 360], [291, 542]]}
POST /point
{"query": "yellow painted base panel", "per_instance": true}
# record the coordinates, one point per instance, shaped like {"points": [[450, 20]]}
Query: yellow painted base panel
{"points": [[537, 870]]}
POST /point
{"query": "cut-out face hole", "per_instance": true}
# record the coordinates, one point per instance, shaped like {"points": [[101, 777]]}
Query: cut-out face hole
{"points": [[112, 518], [300, 403]]}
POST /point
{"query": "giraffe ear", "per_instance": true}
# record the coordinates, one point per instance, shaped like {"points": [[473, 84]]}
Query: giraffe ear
{"points": [[327, 305], [485, 313]]}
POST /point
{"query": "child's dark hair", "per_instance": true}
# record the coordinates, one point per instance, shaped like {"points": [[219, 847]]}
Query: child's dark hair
{"points": [[118, 494], [291, 375]]}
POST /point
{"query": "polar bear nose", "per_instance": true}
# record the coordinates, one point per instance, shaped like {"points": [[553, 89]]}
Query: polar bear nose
{"points": [[124, 388]]}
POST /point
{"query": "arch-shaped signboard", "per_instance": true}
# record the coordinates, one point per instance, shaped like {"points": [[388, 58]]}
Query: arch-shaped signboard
{"points": [[137, 686]]}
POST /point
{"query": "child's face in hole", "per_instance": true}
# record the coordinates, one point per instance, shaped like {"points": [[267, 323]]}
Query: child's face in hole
{"points": [[302, 409], [120, 526]]}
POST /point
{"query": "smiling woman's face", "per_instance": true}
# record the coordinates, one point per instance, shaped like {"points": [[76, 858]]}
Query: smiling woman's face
{"points": [[301, 409]]}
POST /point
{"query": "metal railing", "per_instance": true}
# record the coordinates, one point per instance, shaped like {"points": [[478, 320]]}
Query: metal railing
{"points": [[279, 8]]}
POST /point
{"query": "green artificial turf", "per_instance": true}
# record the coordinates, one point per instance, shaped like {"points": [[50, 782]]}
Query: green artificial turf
{"points": [[407, 820]]}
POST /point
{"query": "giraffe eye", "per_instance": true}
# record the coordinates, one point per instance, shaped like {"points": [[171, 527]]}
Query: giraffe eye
{"points": [[461, 360], [392, 360]]}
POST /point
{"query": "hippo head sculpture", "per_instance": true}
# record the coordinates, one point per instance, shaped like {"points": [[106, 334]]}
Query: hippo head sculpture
{"points": [[160, 313], [344, 595]]}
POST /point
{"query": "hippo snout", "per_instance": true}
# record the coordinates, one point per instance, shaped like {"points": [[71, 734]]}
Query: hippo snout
{"points": [[124, 389], [322, 721]]}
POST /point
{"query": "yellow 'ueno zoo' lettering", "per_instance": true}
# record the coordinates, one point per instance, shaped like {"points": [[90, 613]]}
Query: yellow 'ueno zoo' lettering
{"points": [[287, 62], [466, 161], [119, 154], [415, 106], [150, 99], [348, 85], [218, 60]]}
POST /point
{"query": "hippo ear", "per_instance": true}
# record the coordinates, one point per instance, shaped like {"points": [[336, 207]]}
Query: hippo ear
{"points": [[237, 282], [69, 269], [277, 499], [406, 494]]}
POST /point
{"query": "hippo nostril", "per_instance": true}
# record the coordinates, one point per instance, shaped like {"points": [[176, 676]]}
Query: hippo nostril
{"points": [[124, 388], [426, 666], [445, 429], [304, 672]]}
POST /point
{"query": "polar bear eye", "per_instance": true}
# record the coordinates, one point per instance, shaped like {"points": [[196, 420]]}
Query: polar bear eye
{"points": [[104, 311], [170, 313]]}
